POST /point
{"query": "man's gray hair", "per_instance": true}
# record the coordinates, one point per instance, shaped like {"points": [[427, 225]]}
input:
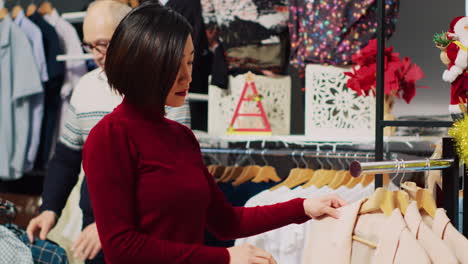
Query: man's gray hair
{"points": [[116, 9]]}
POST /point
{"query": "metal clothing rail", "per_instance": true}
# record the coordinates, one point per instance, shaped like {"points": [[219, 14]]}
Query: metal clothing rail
{"points": [[292, 153], [357, 168]]}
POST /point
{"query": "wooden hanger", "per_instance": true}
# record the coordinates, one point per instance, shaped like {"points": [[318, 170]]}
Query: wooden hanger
{"points": [[16, 9], [342, 178], [46, 8], [267, 174], [3, 13], [328, 176], [248, 173], [227, 171], [425, 201], [31, 9], [210, 169], [382, 199], [424, 197], [324, 178], [304, 176], [234, 174], [218, 171], [293, 173], [410, 188], [402, 200], [336, 179], [354, 181]]}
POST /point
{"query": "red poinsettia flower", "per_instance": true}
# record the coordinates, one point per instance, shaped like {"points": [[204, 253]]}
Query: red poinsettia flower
{"points": [[400, 75]]}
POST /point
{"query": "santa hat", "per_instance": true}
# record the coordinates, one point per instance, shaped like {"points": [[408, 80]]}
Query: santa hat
{"points": [[459, 65], [453, 23]]}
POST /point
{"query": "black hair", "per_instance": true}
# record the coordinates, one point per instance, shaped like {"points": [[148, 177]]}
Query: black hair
{"points": [[145, 53]]}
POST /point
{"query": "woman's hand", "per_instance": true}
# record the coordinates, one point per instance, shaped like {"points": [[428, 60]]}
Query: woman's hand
{"points": [[88, 245], [325, 205], [248, 254]]}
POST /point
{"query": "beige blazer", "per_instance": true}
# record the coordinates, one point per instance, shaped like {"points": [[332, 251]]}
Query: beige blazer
{"points": [[435, 248], [443, 228], [330, 240]]}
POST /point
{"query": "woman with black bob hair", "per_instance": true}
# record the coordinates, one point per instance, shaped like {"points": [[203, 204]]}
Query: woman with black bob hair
{"points": [[152, 195]]}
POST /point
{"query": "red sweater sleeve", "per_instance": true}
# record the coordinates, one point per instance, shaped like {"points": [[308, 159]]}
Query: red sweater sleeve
{"points": [[113, 190], [228, 222]]}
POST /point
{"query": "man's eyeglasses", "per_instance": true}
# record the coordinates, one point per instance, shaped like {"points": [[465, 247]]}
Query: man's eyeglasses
{"points": [[101, 47]]}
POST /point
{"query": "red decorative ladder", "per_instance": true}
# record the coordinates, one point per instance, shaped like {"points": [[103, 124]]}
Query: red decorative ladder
{"points": [[255, 96]]}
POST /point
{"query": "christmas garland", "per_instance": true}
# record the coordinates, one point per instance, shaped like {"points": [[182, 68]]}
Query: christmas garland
{"points": [[459, 133]]}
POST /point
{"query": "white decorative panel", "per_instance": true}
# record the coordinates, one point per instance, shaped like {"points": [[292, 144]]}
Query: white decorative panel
{"points": [[333, 111], [276, 92]]}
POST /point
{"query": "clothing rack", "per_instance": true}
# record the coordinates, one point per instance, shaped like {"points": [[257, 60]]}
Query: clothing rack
{"points": [[380, 123], [358, 168], [292, 153], [450, 166]]}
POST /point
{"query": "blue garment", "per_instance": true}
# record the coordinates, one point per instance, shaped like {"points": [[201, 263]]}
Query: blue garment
{"points": [[34, 35], [52, 88], [43, 251], [237, 196], [19, 82]]}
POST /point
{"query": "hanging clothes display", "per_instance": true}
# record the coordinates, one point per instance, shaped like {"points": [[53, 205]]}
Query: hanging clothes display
{"points": [[34, 35], [52, 88], [330, 32], [396, 243], [249, 35], [16, 92]]}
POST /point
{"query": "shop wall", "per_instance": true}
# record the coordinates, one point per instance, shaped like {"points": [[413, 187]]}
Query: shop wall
{"points": [[61, 5], [419, 20]]}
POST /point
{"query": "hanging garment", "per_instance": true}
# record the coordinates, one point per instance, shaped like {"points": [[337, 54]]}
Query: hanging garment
{"points": [[435, 248], [43, 251], [443, 228], [250, 31], [330, 32], [286, 244], [52, 98], [16, 92], [236, 196], [34, 35], [12, 249], [71, 45], [395, 242], [192, 11]]}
